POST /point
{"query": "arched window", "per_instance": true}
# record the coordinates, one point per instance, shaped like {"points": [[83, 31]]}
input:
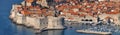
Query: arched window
{"points": [[90, 20], [86, 20]]}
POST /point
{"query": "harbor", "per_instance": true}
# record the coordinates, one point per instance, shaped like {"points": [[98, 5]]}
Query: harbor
{"points": [[71, 30]]}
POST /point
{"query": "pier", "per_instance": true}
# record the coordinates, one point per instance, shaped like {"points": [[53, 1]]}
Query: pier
{"points": [[94, 32]]}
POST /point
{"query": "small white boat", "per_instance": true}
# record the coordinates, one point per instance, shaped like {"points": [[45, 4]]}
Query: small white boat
{"points": [[94, 32]]}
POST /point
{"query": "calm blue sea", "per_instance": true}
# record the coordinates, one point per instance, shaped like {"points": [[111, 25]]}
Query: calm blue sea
{"points": [[8, 28]]}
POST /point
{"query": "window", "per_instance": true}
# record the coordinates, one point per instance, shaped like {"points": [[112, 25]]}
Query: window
{"points": [[86, 20], [90, 20]]}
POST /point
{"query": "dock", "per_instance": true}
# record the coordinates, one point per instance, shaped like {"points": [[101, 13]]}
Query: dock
{"points": [[94, 32]]}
